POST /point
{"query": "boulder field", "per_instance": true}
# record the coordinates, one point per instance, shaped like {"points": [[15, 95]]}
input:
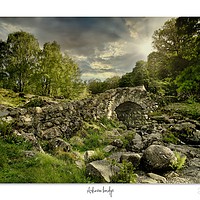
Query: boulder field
{"points": [[155, 150]]}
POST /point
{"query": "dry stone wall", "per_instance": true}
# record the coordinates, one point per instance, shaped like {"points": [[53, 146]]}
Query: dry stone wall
{"points": [[63, 120], [148, 148]]}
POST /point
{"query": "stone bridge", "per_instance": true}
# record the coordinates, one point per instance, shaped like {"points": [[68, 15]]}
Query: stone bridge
{"points": [[63, 120], [130, 104]]}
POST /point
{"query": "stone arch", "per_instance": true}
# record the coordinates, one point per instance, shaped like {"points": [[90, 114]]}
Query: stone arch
{"points": [[130, 113], [117, 100]]}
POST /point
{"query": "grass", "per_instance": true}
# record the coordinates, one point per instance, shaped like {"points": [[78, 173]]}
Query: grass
{"points": [[109, 124], [5, 128], [41, 168], [191, 110], [170, 138], [94, 135], [126, 174], [98, 155], [15, 167], [10, 98]]}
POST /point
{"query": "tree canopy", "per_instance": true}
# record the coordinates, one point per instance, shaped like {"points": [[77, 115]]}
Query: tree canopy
{"points": [[24, 67], [139, 76], [97, 86], [176, 56], [173, 67]]}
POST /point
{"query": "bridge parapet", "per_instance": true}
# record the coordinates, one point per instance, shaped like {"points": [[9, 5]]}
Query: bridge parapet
{"points": [[65, 119]]}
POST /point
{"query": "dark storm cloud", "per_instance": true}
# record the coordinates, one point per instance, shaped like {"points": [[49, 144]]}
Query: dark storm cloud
{"points": [[101, 46]]}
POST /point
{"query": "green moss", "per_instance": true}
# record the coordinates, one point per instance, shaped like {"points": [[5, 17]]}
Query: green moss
{"points": [[170, 138]]}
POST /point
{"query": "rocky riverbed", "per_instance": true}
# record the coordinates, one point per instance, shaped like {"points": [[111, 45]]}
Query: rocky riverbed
{"points": [[156, 146]]}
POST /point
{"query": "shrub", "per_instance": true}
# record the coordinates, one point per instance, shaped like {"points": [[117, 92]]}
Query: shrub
{"points": [[38, 102], [188, 82], [126, 173], [76, 142], [92, 140], [180, 161], [128, 137]]}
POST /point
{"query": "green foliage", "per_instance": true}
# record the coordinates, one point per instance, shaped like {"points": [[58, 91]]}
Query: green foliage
{"points": [[97, 86], [155, 87], [109, 123], [98, 155], [10, 98], [170, 138], [7, 135], [5, 128], [185, 109], [76, 142], [44, 81], [18, 140], [24, 67], [189, 82], [166, 38], [126, 173], [180, 162], [171, 46], [38, 102], [192, 99], [41, 168], [92, 140], [20, 59], [128, 137], [177, 56], [94, 134], [188, 30], [138, 77], [157, 65], [3, 74]]}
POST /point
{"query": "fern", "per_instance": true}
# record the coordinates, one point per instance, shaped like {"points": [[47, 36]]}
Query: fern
{"points": [[180, 161]]}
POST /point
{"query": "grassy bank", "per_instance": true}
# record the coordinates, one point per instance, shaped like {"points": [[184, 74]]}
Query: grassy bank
{"points": [[17, 167], [190, 110]]}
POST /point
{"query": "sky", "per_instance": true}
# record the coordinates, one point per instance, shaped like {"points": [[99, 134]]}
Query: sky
{"points": [[102, 47]]}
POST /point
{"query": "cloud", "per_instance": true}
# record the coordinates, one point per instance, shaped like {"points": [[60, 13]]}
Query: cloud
{"points": [[7, 28], [102, 46], [100, 75], [112, 49], [141, 27], [130, 25], [100, 66], [77, 58]]}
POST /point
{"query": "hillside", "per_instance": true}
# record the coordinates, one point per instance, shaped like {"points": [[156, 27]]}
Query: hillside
{"points": [[162, 148]]}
